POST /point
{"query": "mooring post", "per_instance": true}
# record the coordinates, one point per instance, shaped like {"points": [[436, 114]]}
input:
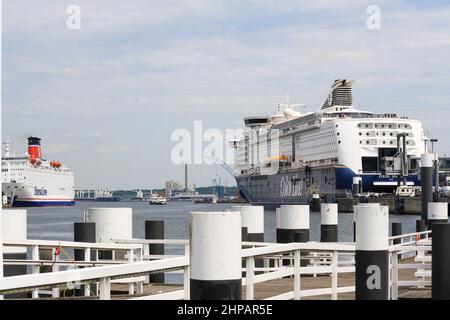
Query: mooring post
{"points": [[253, 220], [365, 204], [244, 234], [215, 255], [421, 226], [1, 248], [84, 232], [154, 230], [294, 226], [277, 223], [440, 261], [329, 222], [437, 213], [372, 252], [396, 231], [315, 202], [426, 177]]}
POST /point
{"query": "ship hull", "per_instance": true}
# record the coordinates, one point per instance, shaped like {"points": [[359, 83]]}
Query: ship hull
{"points": [[22, 195], [298, 186]]}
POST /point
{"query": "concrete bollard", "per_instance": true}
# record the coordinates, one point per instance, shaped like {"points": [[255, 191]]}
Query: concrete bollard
{"points": [[426, 178], [14, 227], [215, 255], [354, 215], [372, 252], [357, 185], [244, 234], [421, 226], [294, 223], [437, 213], [84, 232], [294, 226], [1, 247], [277, 223], [253, 220], [111, 223], [396, 228], [440, 275], [155, 230], [315, 202], [329, 222]]}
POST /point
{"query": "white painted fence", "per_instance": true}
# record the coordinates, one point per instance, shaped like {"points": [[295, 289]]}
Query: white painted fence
{"points": [[329, 259]]}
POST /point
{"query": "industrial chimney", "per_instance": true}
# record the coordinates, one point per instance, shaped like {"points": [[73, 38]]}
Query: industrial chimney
{"points": [[186, 187]]}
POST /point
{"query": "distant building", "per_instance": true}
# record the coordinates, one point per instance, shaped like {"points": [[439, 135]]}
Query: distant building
{"points": [[173, 187]]}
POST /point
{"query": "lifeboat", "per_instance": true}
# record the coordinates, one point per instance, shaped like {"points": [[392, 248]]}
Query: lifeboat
{"points": [[35, 161], [55, 164]]}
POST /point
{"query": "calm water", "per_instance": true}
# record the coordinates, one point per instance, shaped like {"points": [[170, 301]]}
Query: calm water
{"points": [[57, 223]]}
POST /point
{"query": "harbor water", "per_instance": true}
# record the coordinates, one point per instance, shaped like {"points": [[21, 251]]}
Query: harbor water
{"points": [[56, 223]]}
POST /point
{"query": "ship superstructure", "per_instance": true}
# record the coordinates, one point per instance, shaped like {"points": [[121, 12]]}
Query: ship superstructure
{"points": [[289, 156], [31, 180]]}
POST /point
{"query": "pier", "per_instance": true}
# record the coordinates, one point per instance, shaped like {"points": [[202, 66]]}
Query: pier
{"points": [[270, 271]]}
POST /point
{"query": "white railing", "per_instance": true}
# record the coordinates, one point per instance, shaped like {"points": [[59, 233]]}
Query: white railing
{"points": [[329, 259], [103, 275], [61, 257]]}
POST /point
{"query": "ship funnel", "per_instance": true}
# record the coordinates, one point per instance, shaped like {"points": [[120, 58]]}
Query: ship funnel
{"points": [[34, 148], [340, 95]]}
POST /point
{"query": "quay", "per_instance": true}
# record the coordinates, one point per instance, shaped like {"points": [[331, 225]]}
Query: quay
{"points": [[120, 267]]}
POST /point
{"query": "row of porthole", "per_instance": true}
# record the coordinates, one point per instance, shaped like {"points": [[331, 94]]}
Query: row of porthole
{"points": [[384, 134], [384, 142], [383, 126]]}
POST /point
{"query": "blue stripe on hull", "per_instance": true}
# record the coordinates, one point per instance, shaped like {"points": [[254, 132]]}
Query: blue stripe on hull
{"points": [[344, 179], [42, 203]]}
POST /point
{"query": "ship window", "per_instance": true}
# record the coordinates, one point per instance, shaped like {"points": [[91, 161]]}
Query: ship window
{"points": [[367, 125], [367, 134], [360, 133], [391, 142], [384, 133], [367, 142], [338, 134], [369, 164], [339, 141], [392, 134]]}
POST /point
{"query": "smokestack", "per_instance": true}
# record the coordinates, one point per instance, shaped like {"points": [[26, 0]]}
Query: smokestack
{"points": [[34, 148], [186, 177]]}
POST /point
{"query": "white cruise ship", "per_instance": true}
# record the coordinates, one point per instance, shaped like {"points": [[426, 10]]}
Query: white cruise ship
{"points": [[29, 180], [323, 153]]}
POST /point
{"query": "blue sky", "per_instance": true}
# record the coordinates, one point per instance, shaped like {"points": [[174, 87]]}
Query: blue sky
{"points": [[106, 98]]}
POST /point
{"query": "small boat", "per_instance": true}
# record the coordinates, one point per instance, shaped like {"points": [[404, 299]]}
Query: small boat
{"points": [[156, 199]]}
